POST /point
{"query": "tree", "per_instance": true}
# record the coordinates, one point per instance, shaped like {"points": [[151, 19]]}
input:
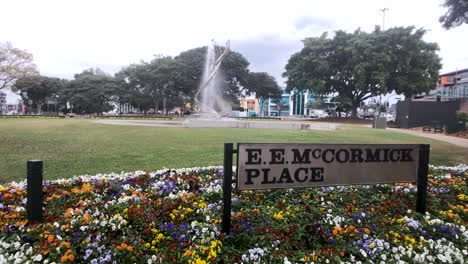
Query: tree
{"points": [[361, 65], [14, 64], [280, 105], [132, 90], [264, 86], [91, 92], [35, 90], [456, 15], [150, 84], [345, 104], [318, 103]]}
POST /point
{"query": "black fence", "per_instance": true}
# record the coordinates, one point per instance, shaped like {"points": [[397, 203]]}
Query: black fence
{"points": [[420, 113]]}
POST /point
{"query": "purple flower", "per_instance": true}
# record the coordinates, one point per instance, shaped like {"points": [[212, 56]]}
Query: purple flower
{"points": [[88, 253]]}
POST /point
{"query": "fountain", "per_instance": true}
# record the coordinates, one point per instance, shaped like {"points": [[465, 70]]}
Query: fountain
{"points": [[209, 100], [208, 97]]}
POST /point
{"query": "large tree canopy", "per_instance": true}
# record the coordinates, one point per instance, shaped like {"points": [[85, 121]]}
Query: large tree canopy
{"points": [[14, 64], [35, 90], [457, 13], [91, 92], [263, 85], [361, 65], [150, 84]]}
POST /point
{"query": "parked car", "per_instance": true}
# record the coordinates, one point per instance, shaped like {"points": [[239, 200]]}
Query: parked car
{"points": [[390, 118], [367, 115], [12, 112], [318, 114]]}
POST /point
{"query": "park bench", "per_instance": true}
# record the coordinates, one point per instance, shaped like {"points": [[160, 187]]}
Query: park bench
{"points": [[438, 127], [427, 128], [435, 126]]}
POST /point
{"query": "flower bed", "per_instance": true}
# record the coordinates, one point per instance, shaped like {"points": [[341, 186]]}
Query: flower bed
{"points": [[175, 216]]}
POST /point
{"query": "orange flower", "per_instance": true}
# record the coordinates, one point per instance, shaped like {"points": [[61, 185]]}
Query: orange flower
{"points": [[50, 238], [64, 258], [86, 216], [71, 257], [130, 248], [123, 245], [65, 244], [188, 253]]}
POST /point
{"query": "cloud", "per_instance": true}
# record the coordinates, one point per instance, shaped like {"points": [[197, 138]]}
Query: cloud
{"points": [[268, 53], [313, 23]]}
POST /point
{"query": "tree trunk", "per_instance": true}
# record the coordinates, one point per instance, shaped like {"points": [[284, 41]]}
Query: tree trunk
{"points": [[354, 112], [156, 106], [164, 106]]}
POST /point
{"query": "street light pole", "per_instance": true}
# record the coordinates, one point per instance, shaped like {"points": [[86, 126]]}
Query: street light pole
{"points": [[383, 10]]}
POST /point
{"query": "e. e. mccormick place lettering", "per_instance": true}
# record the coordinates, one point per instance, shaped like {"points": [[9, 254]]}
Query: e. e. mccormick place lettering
{"points": [[272, 165]]}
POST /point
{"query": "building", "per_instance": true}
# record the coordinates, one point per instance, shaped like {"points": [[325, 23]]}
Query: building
{"points": [[296, 103], [452, 86], [9, 102], [250, 105]]}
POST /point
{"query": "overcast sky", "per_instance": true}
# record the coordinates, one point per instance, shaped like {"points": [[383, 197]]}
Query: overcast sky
{"points": [[67, 37]]}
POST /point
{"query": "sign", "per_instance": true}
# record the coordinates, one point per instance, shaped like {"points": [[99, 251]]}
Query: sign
{"points": [[274, 165]]}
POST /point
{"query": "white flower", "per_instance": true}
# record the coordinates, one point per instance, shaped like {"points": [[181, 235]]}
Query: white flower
{"points": [[38, 258], [442, 258], [363, 253]]}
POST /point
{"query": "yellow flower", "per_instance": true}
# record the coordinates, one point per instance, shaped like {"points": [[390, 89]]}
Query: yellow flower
{"points": [[372, 245], [278, 215], [199, 261], [212, 253]]}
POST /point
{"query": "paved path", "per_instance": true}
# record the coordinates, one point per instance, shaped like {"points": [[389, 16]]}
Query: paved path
{"points": [[140, 123], [201, 123], [461, 142]]}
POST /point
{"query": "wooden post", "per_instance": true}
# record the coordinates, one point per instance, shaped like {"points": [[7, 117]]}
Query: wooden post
{"points": [[34, 191], [423, 170], [227, 187]]}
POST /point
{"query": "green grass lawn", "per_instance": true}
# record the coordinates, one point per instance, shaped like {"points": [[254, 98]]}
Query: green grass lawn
{"points": [[76, 147]]}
